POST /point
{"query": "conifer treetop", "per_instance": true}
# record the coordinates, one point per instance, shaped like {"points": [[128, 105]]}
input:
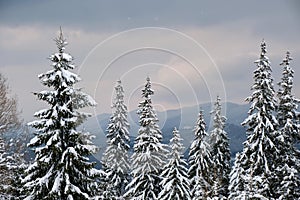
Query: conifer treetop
{"points": [[176, 144], [220, 152], [200, 161], [287, 59], [149, 156], [147, 91], [175, 184], [286, 82], [262, 98], [260, 150], [263, 46], [219, 120], [61, 169], [61, 42], [115, 158], [287, 171], [200, 126]]}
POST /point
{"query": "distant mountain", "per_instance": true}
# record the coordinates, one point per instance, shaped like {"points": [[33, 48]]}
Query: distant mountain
{"points": [[184, 119]]}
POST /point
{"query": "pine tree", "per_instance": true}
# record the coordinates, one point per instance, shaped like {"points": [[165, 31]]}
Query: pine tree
{"points": [[287, 172], [149, 154], [61, 169], [16, 163], [176, 184], [115, 158], [220, 153], [237, 180], [200, 162], [260, 148]]}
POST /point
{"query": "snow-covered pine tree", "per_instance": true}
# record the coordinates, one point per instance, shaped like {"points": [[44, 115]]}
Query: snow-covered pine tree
{"points": [[287, 172], [16, 150], [175, 184], [200, 161], [237, 180], [61, 168], [220, 153], [287, 103], [149, 156], [115, 158], [260, 148]]}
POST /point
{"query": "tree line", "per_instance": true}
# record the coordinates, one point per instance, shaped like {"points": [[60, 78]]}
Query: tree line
{"points": [[267, 167]]}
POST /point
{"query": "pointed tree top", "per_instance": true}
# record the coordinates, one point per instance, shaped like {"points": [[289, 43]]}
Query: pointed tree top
{"points": [[175, 130], [147, 92], [119, 90], [201, 111], [263, 46], [217, 102], [201, 115], [200, 125], [287, 59], [61, 34], [60, 41]]}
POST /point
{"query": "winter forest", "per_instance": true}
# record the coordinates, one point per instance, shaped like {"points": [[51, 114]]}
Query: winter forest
{"points": [[61, 169]]}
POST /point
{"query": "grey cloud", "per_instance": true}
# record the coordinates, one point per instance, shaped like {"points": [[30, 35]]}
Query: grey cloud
{"points": [[118, 14]]}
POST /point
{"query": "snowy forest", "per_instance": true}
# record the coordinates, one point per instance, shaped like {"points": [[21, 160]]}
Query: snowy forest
{"points": [[61, 169]]}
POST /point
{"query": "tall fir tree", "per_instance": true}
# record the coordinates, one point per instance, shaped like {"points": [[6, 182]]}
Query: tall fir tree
{"points": [[200, 161], [220, 154], [61, 168], [149, 156], [287, 171], [260, 149], [175, 184], [237, 180], [115, 159]]}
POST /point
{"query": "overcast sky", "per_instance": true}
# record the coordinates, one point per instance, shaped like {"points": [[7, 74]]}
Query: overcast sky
{"points": [[191, 50]]}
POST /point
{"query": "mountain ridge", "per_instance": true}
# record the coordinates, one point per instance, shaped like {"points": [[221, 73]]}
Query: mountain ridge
{"points": [[182, 118]]}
